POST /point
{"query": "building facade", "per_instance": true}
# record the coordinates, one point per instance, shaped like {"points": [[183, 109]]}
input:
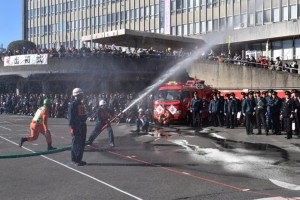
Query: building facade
{"points": [[268, 26]]}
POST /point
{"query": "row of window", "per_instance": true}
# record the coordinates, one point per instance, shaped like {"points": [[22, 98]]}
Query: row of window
{"points": [[238, 21]]}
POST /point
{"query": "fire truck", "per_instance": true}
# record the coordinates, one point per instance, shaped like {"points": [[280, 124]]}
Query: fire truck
{"points": [[176, 97]]}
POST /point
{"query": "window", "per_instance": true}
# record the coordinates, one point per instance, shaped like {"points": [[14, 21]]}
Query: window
{"points": [[285, 13], [173, 30], [185, 29], [197, 27], [209, 3], [259, 18], [287, 46], [209, 26], [191, 5], [137, 13], [277, 49], [267, 16], [223, 24], [229, 22], [173, 6], [297, 49], [215, 25], [251, 19], [203, 27], [141, 12], [191, 29], [276, 15], [294, 13], [236, 21], [179, 31]]}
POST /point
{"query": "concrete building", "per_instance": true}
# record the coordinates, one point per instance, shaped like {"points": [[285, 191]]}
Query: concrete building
{"points": [[270, 27]]}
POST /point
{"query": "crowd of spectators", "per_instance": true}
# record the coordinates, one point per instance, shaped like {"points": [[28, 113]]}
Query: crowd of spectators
{"points": [[260, 62], [100, 50], [27, 104]]}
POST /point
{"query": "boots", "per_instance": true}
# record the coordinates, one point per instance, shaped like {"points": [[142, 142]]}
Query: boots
{"points": [[23, 139], [50, 147]]}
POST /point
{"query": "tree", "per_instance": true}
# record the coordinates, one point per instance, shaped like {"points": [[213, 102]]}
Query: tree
{"points": [[20, 44]]}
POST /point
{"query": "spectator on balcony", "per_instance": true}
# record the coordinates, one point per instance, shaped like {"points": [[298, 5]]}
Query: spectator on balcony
{"points": [[277, 65], [294, 67], [61, 51]]}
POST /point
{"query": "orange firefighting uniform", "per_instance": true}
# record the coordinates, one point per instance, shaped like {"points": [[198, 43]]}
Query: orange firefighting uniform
{"points": [[39, 125]]}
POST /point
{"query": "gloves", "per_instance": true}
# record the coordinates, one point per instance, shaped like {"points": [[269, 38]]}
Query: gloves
{"points": [[72, 131]]}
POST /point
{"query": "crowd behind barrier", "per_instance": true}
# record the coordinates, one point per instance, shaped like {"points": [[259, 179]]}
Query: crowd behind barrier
{"points": [[101, 50], [261, 62], [113, 50], [27, 104]]}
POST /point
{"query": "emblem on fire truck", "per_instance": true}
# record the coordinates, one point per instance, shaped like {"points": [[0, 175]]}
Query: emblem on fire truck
{"points": [[159, 109], [172, 109]]}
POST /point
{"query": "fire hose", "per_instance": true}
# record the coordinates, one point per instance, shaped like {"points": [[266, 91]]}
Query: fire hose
{"points": [[3, 156]]}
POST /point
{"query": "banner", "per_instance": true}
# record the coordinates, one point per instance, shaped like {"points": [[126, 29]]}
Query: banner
{"points": [[28, 59]]}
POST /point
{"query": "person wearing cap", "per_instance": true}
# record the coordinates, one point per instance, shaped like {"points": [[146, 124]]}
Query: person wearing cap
{"points": [[260, 112], [243, 100], [287, 114], [39, 124], [232, 110], [294, 94], [103, 119], [196, 109], [297, 112], [215, 110], [77, 122], [275, 107], [248, 111], [222, 101], [225, 111]]}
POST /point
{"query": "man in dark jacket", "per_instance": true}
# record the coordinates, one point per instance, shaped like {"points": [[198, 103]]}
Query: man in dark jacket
{"points": [[196, 109], [248, 111], [287, 114]]}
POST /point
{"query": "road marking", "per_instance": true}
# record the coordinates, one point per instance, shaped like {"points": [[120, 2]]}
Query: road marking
{"points": [[75, 170], [288, 186], [5, 128], [277, 198]]}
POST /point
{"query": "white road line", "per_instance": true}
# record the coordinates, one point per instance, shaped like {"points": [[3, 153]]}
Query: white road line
{"points": [[288, 186], [75, 170], [5, 128]]}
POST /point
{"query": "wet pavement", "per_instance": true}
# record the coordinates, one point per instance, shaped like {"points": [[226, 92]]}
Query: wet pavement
{"points": [[167, 163]]}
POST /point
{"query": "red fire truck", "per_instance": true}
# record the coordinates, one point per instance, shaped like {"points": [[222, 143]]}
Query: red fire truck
{"points": [[176, 98]]}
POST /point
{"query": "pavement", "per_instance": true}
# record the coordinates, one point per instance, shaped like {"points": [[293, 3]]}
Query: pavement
{"points": [[237, 136]]}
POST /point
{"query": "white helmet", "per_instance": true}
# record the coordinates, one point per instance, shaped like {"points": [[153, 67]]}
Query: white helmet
{"points": [[102, 103], [141, 110], [77, 91]]}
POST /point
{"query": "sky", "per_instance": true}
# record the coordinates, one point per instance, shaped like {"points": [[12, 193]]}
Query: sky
{"points": [[10, 21]]}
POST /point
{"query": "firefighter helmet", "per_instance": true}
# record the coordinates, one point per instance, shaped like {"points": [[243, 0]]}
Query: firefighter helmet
{"points": [[77, 91], [141, 110], [102, 103], [47, 102]]}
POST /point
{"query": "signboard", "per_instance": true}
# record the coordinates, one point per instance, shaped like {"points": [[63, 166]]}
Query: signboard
{"points": [[28, 59]]}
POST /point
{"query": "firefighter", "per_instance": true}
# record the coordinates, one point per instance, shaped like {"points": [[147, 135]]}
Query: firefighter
{"points": [[77, 122], [142, 121], [232, 110], [287, 114], [103, 119], [39, 125], [215, 111]]}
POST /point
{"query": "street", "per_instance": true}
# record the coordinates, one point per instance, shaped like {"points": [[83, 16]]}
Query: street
{"points": [[168, 163]]}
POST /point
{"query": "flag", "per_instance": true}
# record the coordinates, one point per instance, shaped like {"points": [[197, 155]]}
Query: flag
{"points": [[229, 40], [267, 49]]}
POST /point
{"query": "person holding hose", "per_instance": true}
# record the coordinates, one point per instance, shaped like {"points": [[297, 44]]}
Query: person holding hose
{"points": [[39, 124], [103, 119]]}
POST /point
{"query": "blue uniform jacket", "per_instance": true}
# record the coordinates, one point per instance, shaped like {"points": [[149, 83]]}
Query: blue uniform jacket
{"points": [[214, 106], [249, 106], [76, 114]]}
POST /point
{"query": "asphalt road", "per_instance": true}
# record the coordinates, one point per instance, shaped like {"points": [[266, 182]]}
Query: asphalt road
{"points": [[177, 165]]}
